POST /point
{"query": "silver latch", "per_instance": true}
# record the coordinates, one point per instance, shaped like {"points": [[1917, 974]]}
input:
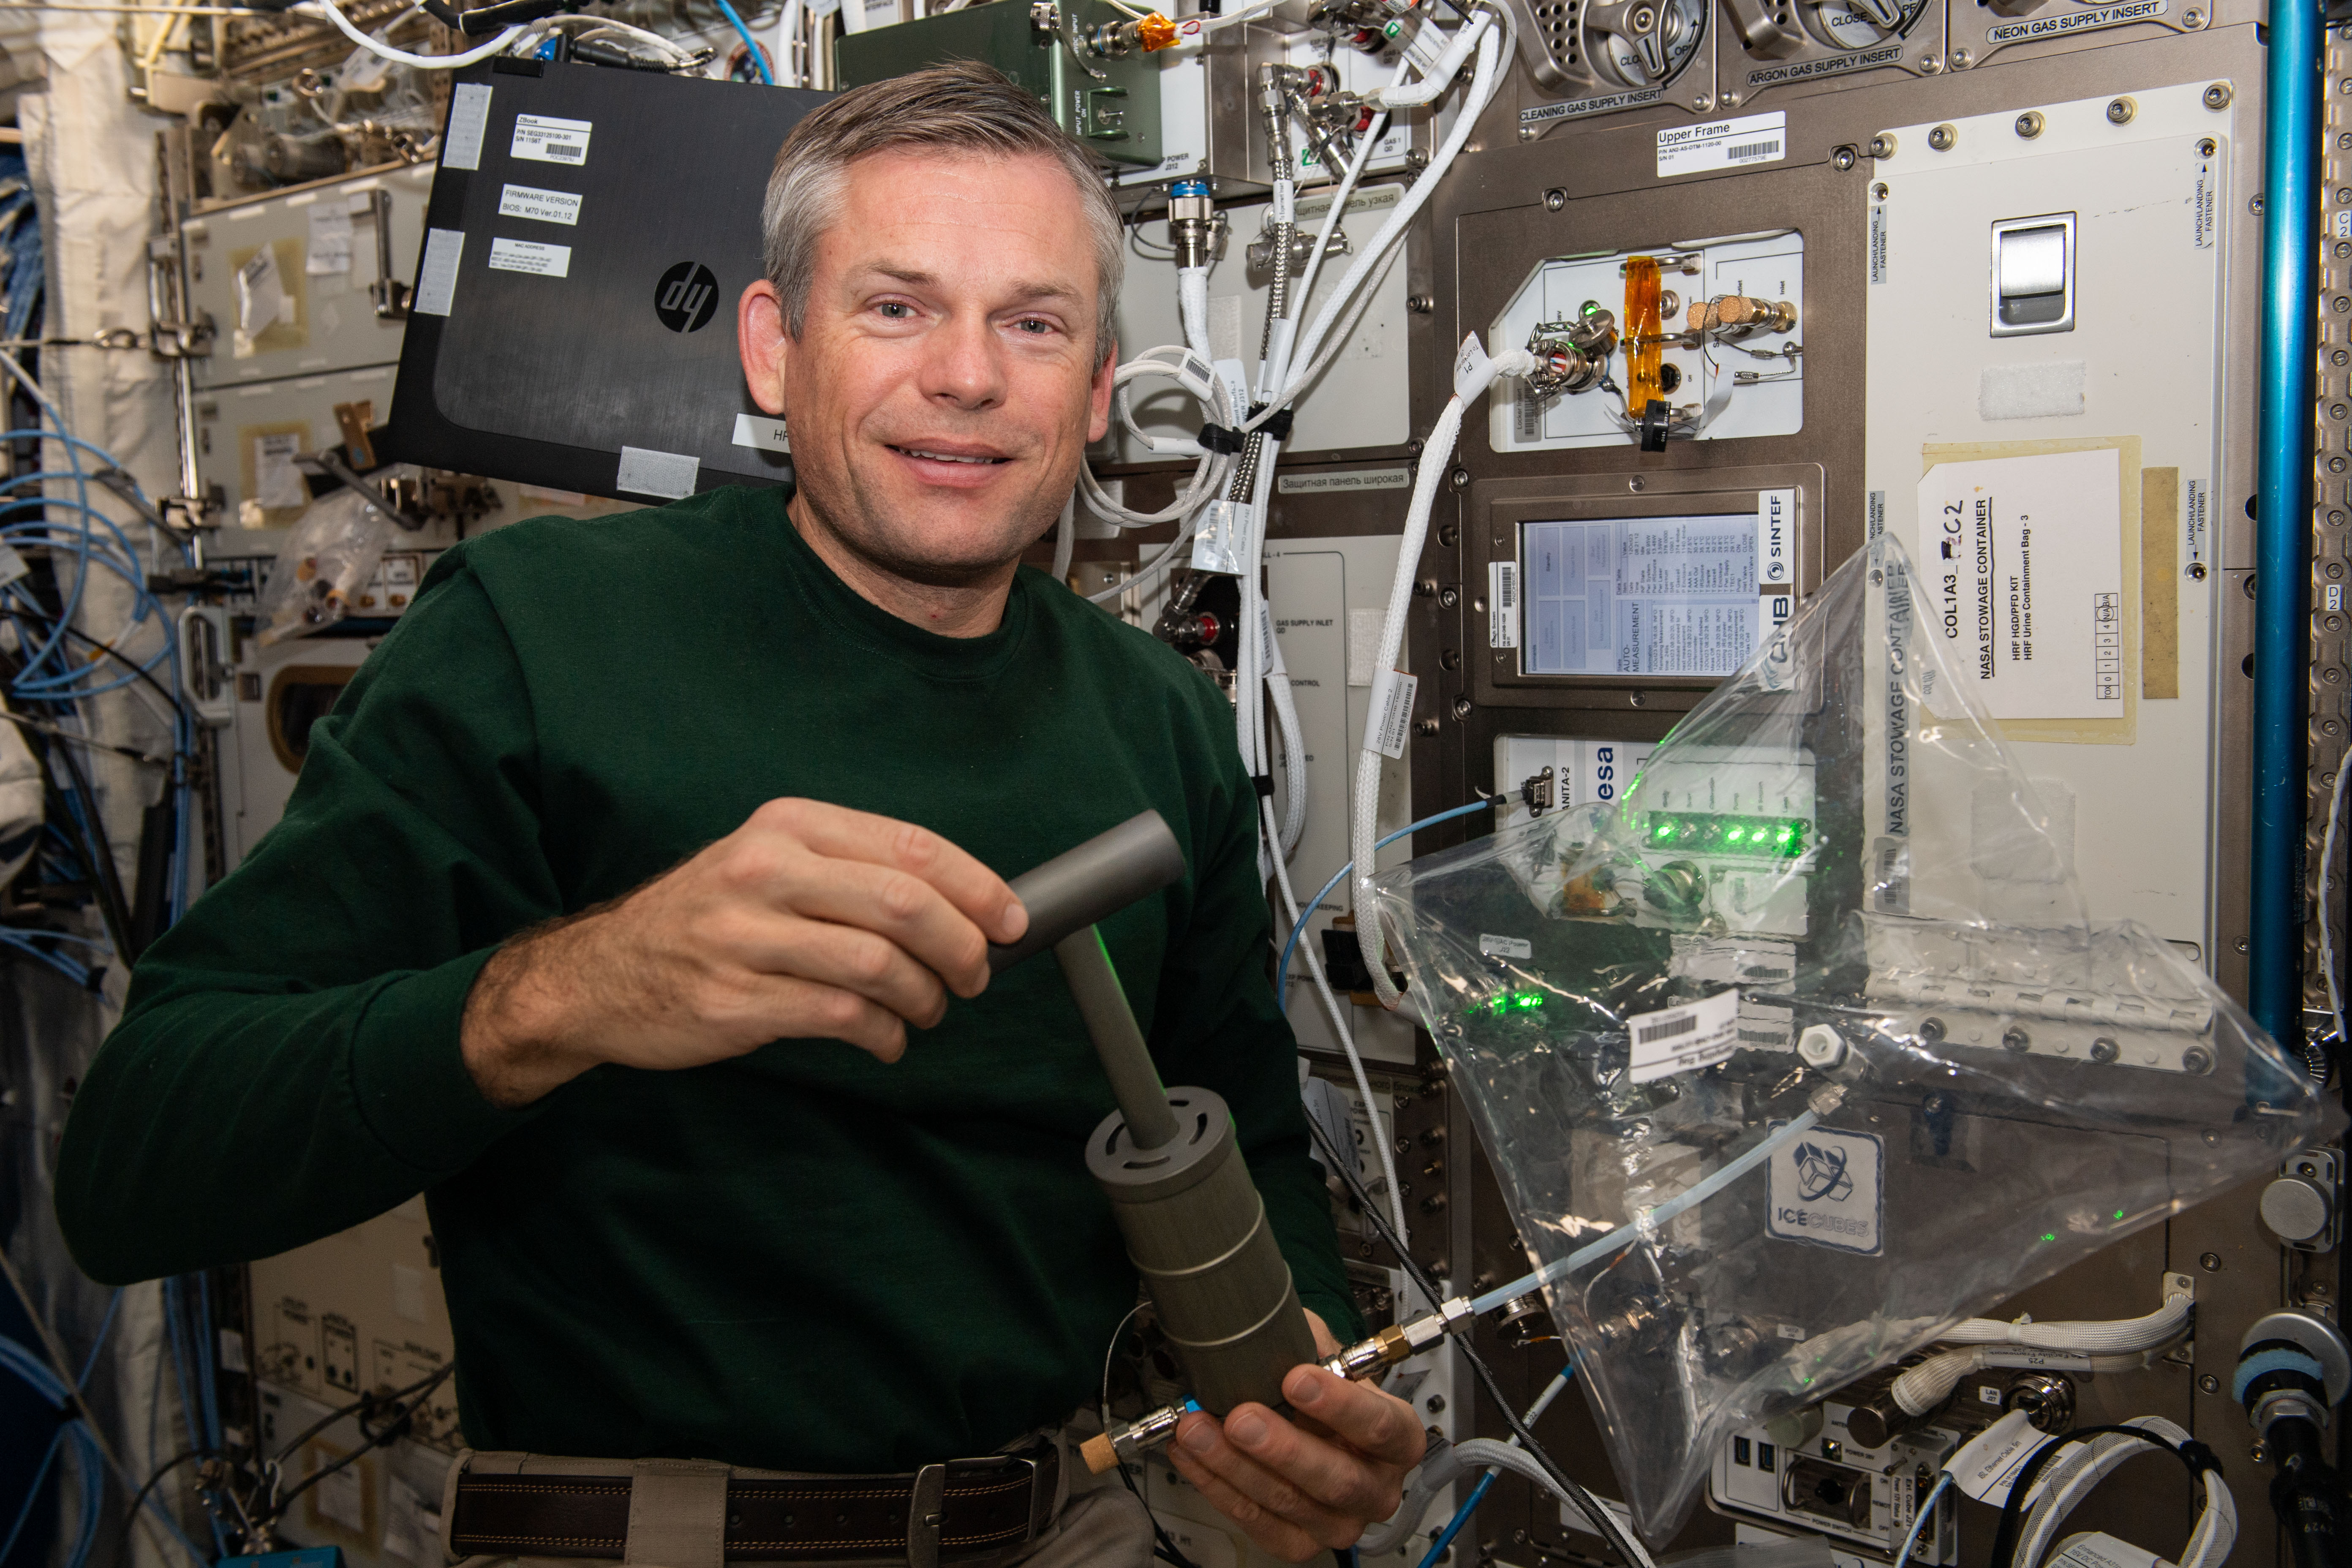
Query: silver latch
{"points": [[2033, 275]]}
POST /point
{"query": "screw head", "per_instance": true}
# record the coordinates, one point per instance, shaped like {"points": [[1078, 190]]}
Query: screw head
{"points": [[2241, 944], [2104, 1050], [1434, 1404], [1703, 102], [1555, 199], [2197, 1059], [1931, 1030], [1637, 484], [2120, 111], [1527, 132], [2015, 1039], [2197, 571], [1730, 100], [2030, 124], [1929, 65], [2217, 95], [1427, 727], [2254, 205], [2192, 19], [1944, 138], [1844, 158], [1461, 479], [2211, 1262], [1962, 59], [1882, 145], [1878, 191], [1421, 304], [2209, 1384], [2206, 147], [1638, 699]]}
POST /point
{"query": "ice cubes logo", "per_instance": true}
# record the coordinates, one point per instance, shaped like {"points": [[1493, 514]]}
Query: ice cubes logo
{"points": [[687, 296], [1820, 1174]]}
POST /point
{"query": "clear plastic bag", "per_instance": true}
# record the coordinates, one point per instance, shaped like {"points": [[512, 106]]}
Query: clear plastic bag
{"points": [[329, 554], [1830, 897]]}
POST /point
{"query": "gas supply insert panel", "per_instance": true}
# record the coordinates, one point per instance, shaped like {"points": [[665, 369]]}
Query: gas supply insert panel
{"points": [[1608, 560]]}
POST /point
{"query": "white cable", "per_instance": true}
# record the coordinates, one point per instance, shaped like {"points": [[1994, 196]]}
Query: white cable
{"points": [[326, 10], [1199, 379], [1441, 75], [2078, 1470], [1066, 538], [1192, 308], [1381, 1135], [1293, 746], [1339, 195], [1484, 85], [1473, 371], [1486, 1452], [1927, 1386], [2327, 865]]}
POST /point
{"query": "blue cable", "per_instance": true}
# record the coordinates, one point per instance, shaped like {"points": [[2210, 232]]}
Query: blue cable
{"points": [[16, 1358], [1445, 1538], [1306, 911], [759, 60]]}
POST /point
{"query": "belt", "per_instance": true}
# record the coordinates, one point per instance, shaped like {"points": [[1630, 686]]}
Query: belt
{"points": [[697, 1515]]}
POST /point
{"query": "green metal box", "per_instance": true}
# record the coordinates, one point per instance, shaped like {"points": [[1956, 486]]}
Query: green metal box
{"points": [[1110, 105]]}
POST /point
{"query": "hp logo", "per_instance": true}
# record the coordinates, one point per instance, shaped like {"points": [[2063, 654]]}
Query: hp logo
{"points": [[687, 296]]}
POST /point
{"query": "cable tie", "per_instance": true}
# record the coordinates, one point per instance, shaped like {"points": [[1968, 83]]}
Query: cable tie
{"points": [[1277, 429], [1217, 439], [1263, 784]]}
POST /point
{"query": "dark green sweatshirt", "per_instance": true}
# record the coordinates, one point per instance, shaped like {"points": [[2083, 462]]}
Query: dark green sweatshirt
{"points": [[804, 1259]]}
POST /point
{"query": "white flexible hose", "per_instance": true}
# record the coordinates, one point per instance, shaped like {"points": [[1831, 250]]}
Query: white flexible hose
{"points": [[2076, 1472], [1192, 308], [1482, 86], [326, 10], [1294, 745], [1927, 1386], [1440, 75], [1474, 373], [1488, 1452]]}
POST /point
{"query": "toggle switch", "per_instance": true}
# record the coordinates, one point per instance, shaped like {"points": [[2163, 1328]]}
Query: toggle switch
{"points": [[2033, 275]]}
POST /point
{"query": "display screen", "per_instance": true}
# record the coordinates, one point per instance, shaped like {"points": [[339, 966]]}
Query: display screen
{"points": [[1644, 596]]}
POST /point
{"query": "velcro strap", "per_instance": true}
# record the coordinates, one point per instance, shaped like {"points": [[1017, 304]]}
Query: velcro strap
{"points": [[1276, 428], [1217, 439]]}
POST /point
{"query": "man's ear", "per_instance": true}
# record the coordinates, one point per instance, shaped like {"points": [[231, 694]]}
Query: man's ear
{"points": [[761, 337], [1099, 398]]}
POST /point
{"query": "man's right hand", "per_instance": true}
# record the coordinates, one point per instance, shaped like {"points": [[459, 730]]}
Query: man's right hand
{"points": [[810, 921]]}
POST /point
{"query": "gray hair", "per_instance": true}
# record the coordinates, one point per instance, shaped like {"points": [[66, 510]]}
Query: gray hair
{"points": [[963, 107]]}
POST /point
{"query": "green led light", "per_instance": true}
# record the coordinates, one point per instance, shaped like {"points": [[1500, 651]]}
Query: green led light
{"points": [[1781, 838], [2050, 1236], [2119, 1214], [1734, 835]]}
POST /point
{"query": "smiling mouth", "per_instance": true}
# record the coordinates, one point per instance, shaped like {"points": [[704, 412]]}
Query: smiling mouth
{"points": [[932, 457]]}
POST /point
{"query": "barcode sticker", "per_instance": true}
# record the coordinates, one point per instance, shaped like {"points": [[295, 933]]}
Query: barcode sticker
{"points": [[1723, 144], [544, 139], [1391, 710], [1502, 604], [1682, 1039]]}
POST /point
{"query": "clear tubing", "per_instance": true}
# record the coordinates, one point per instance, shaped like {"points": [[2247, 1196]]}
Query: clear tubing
{"points": [[1626, 1234]]}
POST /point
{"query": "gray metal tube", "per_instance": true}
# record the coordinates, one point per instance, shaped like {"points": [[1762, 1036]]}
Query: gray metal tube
{"points": [[1099, 878], [1110, 1023]]}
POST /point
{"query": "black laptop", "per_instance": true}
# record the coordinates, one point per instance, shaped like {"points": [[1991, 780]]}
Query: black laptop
{"points": [[572, 323]]}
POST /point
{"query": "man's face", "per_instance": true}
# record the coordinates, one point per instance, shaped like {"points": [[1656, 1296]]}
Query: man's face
{"points": [[942, 387]]}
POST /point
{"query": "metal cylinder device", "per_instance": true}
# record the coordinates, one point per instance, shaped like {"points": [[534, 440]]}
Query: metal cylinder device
{"points": [[1168, 1161], [1197, 1231]]}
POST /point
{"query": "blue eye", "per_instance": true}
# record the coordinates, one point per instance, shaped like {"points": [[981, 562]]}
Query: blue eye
{"points": [[897, 310]]}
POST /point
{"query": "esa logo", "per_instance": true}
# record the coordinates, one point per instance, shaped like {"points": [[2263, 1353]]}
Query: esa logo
{"points": [[1604, 772], [687, 296]]}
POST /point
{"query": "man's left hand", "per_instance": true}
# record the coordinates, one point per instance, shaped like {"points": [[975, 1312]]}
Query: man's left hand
{"points": [[1312, 1480]]}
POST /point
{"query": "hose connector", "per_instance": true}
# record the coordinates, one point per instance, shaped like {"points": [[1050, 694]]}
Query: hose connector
{"points": [[1124, 1441], [1400, 1342], [1193, 227]]}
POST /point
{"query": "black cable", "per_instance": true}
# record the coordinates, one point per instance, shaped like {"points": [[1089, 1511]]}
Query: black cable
{"points": [[1603, 1522], [129, 663], [97, 857], [1164, 1548], [131, 1514], [393, 1427]]}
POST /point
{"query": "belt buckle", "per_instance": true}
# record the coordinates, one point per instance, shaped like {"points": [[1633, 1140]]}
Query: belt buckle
{"points": [[1034, 1454]]}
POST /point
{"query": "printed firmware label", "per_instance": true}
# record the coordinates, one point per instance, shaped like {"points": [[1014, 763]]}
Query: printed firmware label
{"points": [[1683, 1039], [544, 206], [1828, 1189], [1723, 144], [530, 255], [544, 138]]}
